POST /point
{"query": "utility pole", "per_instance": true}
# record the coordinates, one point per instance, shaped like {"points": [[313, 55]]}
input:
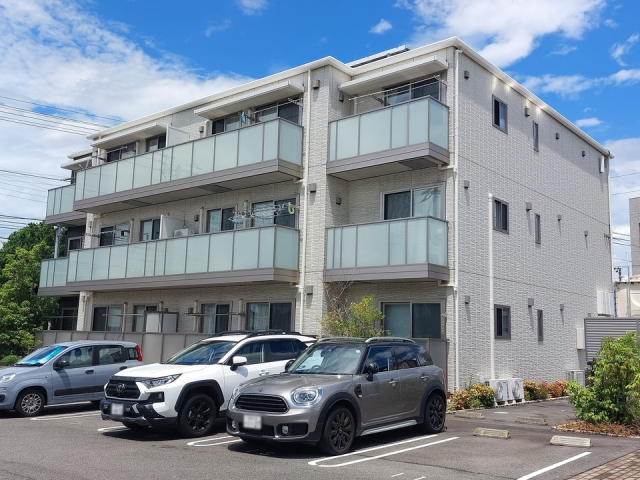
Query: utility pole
{"points": [[628, 288]]}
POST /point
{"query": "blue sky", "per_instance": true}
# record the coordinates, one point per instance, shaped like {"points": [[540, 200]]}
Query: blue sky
{"points": [[123, 59]]}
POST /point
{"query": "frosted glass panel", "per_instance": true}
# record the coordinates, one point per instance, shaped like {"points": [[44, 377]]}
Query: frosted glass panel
{"points": [[150, 261], [108, 178], [397, 243], [439, 124], [136, 260], [80, 185], [333, 128], [181, 163], [418, 122], [375, 131], [57, 200], [417, 241], [203, 156], [226, 151], [156, 171], [125, 175], [399, 130], [85, 259], [221, 251], [287, 248], [291, 143], [373, 244], [118, 262], [51, 197], [91, 182], [60, 272], [348, 247], [43, 273], [250, 145], [347, 138], [330, 245], [397, 319], [160, 251], [337, 248], [265, 255], [50, 272], [197, 253], [67, 199], [176, 256], [142, 171], [100, 264], [427, 202], [73, 264], [437, 242], [245, 251], [165, 174], [270, 139]]}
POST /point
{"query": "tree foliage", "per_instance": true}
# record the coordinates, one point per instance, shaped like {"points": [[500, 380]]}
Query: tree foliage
{"points": [[27, 237], [351, 319], [615, 394]]}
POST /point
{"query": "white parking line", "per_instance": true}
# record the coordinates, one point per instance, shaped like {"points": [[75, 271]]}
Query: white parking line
{"points": [[214, 439], [108, 429], [366, 459], [555, 465], [397, 475], [66, 416]]}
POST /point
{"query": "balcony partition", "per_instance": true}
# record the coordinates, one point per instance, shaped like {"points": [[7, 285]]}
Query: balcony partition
{"points": [[401, 137], [60, 207], [410, 248]]}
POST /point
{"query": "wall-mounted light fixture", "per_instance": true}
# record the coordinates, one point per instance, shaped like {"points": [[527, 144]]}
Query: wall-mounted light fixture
{"points": [[528, 206], [527, 112], [308, 290], [467, 299], [466, 183], [341, 97], [338, 200], [557, 136], [466, 74], [316, 84], [530, 302], [584, 154]]}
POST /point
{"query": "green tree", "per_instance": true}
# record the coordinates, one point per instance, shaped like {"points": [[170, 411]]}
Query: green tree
{"points": [[615, 393], [27, 237], [357, 319]]}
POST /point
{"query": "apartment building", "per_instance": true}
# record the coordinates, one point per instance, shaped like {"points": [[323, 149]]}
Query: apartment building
{"points": [[474, 213]]}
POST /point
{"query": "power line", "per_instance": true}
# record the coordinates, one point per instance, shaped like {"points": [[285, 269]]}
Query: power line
{"points": [[41, 126], [620, 193], [39, 190], [21, 218], [22, 198], [28, 174], [31, 112], [55, 122], [60, 109], [626, 175]]}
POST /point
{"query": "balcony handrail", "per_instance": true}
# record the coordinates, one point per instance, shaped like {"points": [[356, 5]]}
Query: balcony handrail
{"points": [[63, 186], [387, 221], [427, 97]]}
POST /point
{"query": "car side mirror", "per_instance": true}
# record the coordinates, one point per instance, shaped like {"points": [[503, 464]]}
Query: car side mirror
{"points": [[238, 362], [288, 364], [61, 364], [370, 370]]}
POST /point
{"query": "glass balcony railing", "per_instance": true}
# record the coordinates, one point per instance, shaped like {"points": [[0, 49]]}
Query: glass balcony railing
{"points": [[250, 249], [407, 241], [60, 200], [276, 139], [403, 125]]}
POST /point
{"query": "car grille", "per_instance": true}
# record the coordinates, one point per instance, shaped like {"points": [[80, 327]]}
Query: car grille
{"points": [[262, 403], [130, 389]]}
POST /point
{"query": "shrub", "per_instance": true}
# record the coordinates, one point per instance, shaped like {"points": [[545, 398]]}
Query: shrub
{"points": [[461, 400], [535, 391], [558, 389], [615, 394], [9, 360], [482, 396]]}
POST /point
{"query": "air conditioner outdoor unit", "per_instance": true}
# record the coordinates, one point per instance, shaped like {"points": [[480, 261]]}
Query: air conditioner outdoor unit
{"points": [[577, 375], [516, 389], [182, 232], [501, 387]]}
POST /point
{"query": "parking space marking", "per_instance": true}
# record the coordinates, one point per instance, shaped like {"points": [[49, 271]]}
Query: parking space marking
{"points": [[196, 443], [66, 416], [397, 475], [375, 457], [555, 465], [109, 429]]}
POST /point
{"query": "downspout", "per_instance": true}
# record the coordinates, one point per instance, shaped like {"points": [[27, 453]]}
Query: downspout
{"points": [[456, 223], [491, 309], [56, 248], [305, 196]]}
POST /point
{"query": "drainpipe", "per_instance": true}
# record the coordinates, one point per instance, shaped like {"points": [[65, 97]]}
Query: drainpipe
{"points": [[305, 196], [491, 310], [56, 229], [456, 223]]}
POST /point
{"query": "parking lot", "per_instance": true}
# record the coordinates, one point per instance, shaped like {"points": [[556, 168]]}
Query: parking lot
{"points": [[73, 442]]}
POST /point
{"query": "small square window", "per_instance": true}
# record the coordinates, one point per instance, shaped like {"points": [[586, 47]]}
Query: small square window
{"points": [[150, 230], [540, 327], [503, 322], [500, 216], [538, 230], [499, 114], [536, 137]]}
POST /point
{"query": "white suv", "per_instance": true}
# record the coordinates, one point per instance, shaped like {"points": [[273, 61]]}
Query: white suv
{"points": [[193, 387]]}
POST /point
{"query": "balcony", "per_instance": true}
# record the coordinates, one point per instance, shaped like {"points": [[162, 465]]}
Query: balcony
{"points": [[391, 250], [265, 254], [400, 138], [260, 154], [60, 207]]}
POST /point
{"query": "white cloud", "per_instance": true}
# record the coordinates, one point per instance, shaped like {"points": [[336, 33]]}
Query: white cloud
{"points": [[564, 50], [217, 27], [252, 7], [503, 31], [610, 23], [571, 85], [620, 49], [381, 27], [588, 122]]}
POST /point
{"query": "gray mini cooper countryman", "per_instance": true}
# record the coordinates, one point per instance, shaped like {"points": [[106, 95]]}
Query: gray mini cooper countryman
{"points": [[339, 389]]}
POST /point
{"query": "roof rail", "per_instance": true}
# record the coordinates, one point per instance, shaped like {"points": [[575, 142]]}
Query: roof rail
{"points": [[254, 333], [389, 339], [326, 339], [231, 332]]}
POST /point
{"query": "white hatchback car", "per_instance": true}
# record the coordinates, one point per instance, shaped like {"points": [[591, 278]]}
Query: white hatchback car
{"points": [[192, 388]]}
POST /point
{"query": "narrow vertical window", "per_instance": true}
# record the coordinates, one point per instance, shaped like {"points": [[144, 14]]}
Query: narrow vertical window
{"points": [[502, 318], [540, 326], [499, 114], [538, 230], [536, 145], [501, 216]]}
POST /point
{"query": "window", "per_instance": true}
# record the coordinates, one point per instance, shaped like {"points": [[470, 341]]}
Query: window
{"points": [[66, 321], [137, 325], [419, 202], [283, 109], [279, 350], [264, 316], [414, 320], [219, 220], [114, 235], [536, 144], [107, 319], [121, 152], [75, 243], [214, 318], [110, 354], [381, 356], [403, 93], [406, 356], [538, 231], [274, 212], [501, 216], [149, 229], [156, 143], [503, 322], [253, 352], [79, 357], [540, 327], [499, 114]]}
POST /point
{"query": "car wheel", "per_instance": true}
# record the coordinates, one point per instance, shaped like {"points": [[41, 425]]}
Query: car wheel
{"points": [[434, 414], [29, 403], [338, 432], [134, 426], [197, 415]]}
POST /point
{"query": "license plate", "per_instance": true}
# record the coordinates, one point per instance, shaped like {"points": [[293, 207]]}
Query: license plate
{"points": [[252, 422], [117, 409]]}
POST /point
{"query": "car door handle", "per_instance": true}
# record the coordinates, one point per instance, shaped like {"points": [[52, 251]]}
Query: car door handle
{"points": [[264, 373], [88, 372], [424, 376], [122, 368], [393, 382]]}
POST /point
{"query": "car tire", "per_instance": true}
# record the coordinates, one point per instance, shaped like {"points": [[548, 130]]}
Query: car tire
{"points": [[134, 426], [338, 432], [29, 403], [197, 416], [434, 414]]}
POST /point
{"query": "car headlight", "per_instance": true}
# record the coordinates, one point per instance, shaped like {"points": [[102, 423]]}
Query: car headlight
{"points": [[306, 396], [236, 392], [7, 378], [156, 382]]}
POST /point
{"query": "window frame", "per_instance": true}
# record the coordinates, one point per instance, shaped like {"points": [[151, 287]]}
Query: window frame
{"points": [[411, 86], [536, 136], [147, 308], [495, 101], [269, 303], [155, 137], [443, 199], [215, 305], [295, 198], [538, 228], [540, 325], [207, 225], [411, 304], [152, 220], [120, 148], [114, 227], [502, 336], [71, 239], [108, 307], [497, 225]]}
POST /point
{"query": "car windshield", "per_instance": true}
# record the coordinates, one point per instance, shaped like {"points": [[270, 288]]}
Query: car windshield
{"points": [[41, 356], [202, 353], [328, 358]]}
